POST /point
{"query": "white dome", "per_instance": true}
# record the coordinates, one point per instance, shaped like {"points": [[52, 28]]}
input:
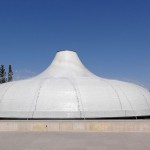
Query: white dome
{"points": [[66, 89]]}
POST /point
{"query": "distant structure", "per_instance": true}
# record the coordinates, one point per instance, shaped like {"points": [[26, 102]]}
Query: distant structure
{"points": [[68, 90]]}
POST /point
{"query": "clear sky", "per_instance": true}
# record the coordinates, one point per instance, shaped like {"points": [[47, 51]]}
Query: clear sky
{"points": [[112, 37]]}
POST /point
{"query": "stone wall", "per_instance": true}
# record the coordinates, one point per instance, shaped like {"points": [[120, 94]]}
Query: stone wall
{"points": [[77, 125]]}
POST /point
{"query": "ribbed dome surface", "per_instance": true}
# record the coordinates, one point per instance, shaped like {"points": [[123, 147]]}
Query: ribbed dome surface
{"points": [[66, 89]]}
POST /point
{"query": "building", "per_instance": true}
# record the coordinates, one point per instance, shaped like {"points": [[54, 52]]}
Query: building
{"points": [[68, 90]]}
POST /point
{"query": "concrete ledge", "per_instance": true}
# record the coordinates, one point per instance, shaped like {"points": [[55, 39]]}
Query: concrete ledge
{"points": [[76, 125]]}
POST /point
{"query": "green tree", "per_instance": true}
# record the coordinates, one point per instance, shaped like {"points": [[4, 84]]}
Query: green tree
{"points": [[10, 74], [2, 74]]}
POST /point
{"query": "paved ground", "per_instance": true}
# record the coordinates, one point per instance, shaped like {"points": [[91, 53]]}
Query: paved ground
{"points": [[73, 141]]}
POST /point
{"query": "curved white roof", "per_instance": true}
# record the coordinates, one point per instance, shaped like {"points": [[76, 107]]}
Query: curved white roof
{"points": [[66, 89]]}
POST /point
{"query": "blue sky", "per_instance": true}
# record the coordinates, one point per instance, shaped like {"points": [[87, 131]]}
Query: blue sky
{"points": [[112, 37]]}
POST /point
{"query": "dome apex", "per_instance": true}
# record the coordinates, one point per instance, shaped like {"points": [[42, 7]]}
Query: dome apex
{"points": [[66, 64], [66, 50]]}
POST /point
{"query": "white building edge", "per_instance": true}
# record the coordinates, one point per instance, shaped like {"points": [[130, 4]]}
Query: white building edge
{"points": [[66, 89]]}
